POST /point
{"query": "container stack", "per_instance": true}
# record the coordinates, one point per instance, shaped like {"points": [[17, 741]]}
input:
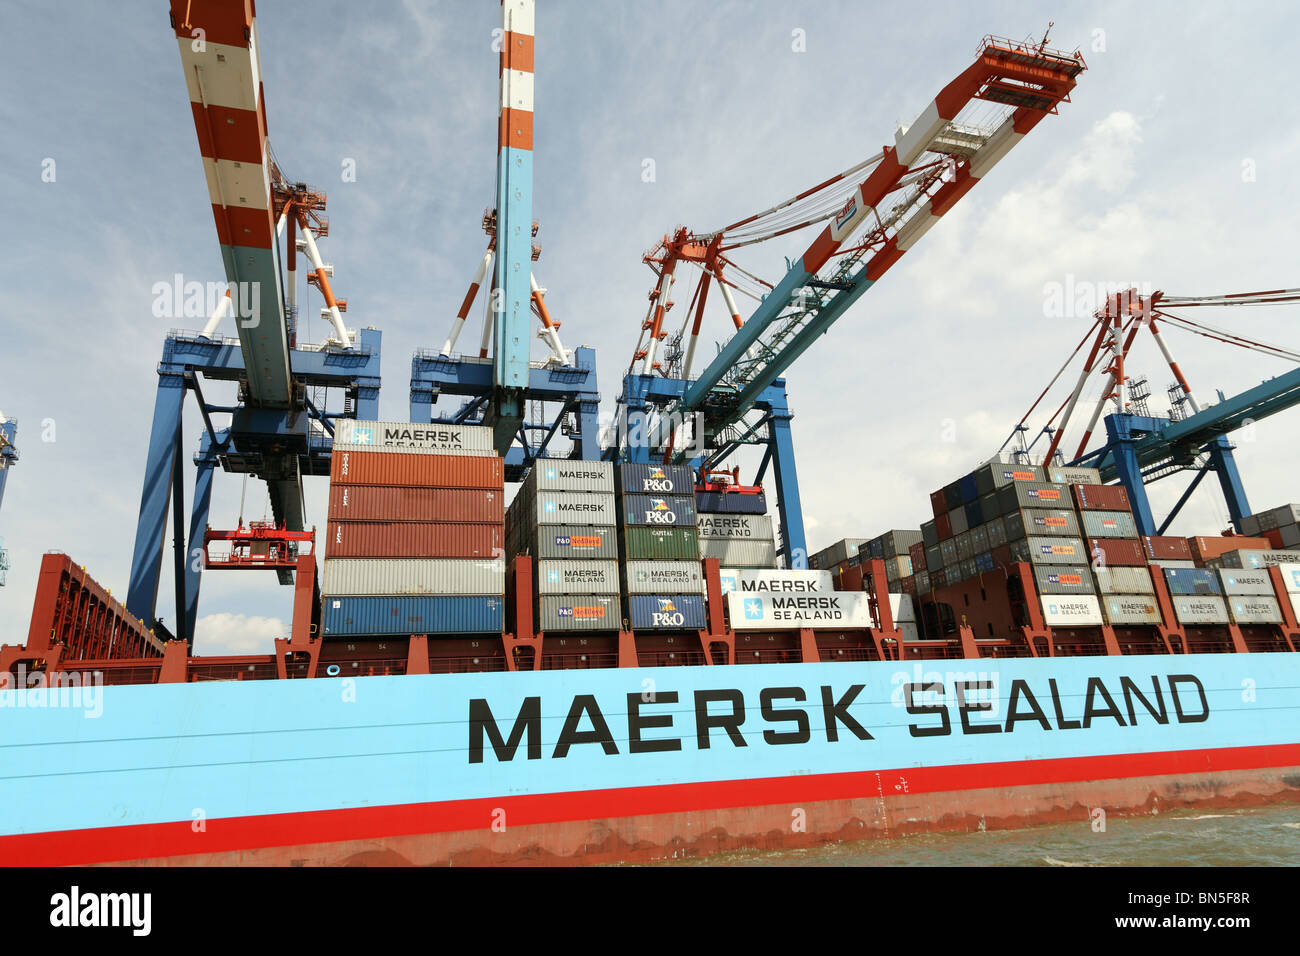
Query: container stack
{"points": [[842, 552], [740, 540], [895, 548], [415, 532], [659, 547], [564, 517], [1281, 526]]}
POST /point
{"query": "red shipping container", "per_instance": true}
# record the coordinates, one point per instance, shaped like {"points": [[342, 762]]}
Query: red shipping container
{"points": [[1101, 498], [909, 585], [943, 525], [1166, 548], [1205, 549], [1116, 552], [917, 553], [416, 471], [413, 539], [1001, 556], [1275, 539], [938, 503], [378, 503]]}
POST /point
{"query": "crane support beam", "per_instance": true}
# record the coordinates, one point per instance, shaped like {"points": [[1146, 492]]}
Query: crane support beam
{"points": [[8, 451]]}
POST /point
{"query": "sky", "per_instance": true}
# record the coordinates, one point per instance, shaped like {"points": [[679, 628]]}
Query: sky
{"points": [[1172, 168]]}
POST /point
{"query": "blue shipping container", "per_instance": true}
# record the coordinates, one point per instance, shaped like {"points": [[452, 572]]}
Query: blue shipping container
{"points": [[357, 616], [656, 480], [730, 503], [974, 514], [984, 561], [969, 489], [666, 612], [1188, 581], [654, 511]]}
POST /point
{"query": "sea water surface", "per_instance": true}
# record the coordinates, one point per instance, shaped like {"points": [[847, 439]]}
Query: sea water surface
{"points": [[1264, 836]]}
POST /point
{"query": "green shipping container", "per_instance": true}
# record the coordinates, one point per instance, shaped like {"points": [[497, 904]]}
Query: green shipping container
{"points": [[659, 544]]}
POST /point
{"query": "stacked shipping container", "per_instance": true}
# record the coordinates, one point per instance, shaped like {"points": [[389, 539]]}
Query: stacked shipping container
{"points": [[659, 547], [415, 531], [1281, 526]]}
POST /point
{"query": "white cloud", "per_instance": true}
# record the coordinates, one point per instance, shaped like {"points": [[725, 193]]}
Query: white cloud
{"points": [[224, 633]]}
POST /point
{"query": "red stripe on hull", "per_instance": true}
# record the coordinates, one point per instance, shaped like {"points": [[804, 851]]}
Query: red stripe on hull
{"points": [[233, 835]]}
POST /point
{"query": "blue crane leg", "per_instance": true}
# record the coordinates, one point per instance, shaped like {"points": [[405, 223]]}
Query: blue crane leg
{"points": [[1128, 468], [206, 467], [151, 525], [789, 506], [1234, 492]]}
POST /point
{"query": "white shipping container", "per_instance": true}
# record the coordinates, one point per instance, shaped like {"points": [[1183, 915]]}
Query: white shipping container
{"points": [[1130, 609], [902, 608], [1250, 559], [1254, 609], [562, 475], [1070, 610], [1291, 577], [570, 507], [739, 554], [753, 528], [1123, 580], [378, 577], [577, 577], [665, 577], [1199, 609], [838, 609], [1073, 476], [775, 581], [434, 439], [1240, 582]]}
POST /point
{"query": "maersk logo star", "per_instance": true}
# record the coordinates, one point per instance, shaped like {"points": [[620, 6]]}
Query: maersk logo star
{"points": [[753, 609], [363, 436]]}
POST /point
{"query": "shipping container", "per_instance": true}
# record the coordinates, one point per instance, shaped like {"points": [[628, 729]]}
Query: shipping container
{"points": [[1167, 563], [969, 489], [659, 544], [1245, 582], [1054, 550], [1108, 524], [984, 562], [933, 558], [838, 610], [896, 568], [989, 478], [739, 553], [657, 511], [929, 534], [418, 471], [730, 503], [1101, 497], [666, 611], [368, 577], [943, 526], [407, 437], [1284, 538], [664, 577], [938, 503], [378, 503], [1291, 577], [1195, 581], [922, 582], [1119, 552], [399, 616], [917, 553], [896, 544], [579, 612], [412, 539], [1209, 548], [964, 548], [778, 581], [569, 507], [759, 528], [577, 577], [1124, 580], [1254, 560], [1254, 609], [1165, 548], [549, 474], [1071, 610], [974, 515], [997, 532], [968, 569], [1032, 522], [1262, 521], [1032, 494], [1069, 475], [1002, 557], [576, 541], [952, 496], [1130, 609], [1063, 579], [637, 479], [1200, 609], [957, 521], [948, 552]]}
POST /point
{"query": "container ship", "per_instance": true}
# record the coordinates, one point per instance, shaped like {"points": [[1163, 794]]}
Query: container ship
{"points": [[508, 653]]}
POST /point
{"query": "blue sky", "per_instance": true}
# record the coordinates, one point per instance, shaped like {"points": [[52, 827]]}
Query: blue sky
{"points": [[1139, 179]]}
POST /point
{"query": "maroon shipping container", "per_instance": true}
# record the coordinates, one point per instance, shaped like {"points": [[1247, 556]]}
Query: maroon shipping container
{"points": [[943, 525], [938, 503], [416, 471], [1001, 556], [453, 505], [413, 539], [1101, 498], [1167, 549], [917, 553], [1119, 552]]}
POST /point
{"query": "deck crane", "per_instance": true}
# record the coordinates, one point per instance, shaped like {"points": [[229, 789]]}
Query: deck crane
{"points": [[8, 458], [280, 428], [1140, 448], [875, 212], [525, 402]]}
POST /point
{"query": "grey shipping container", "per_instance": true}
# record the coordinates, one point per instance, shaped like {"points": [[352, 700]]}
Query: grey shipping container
{"points": [[1046, 550], [560, 475], [933, 558], [1124, 580], [1032, 522], [964, 548], [664, 577], [957, 521], [995, 475], [997, 532], [579, 612], [577, 577], [657, 511], [947, 552], [1033, 494], [1130, 609], [656, 480], [659, 544], [1109, 524], [1200, 609], [930, 534], [1257, 524], [739, 553], [1254, 559], [759, 528], [1254, 609], [1241, 582], [968, 569], [1063, 579], [895, 544], [570, 507], [922, 582], [979, 538], [1073, 476], [367, 577], [573, 541]]}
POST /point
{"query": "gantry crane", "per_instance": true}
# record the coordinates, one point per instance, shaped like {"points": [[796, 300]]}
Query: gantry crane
{"points": [[525, 402], [280, 428], [874, 212], [1140, 448]]}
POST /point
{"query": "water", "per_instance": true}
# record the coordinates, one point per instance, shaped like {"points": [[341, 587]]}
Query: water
{"points": [[1265, 836]]}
